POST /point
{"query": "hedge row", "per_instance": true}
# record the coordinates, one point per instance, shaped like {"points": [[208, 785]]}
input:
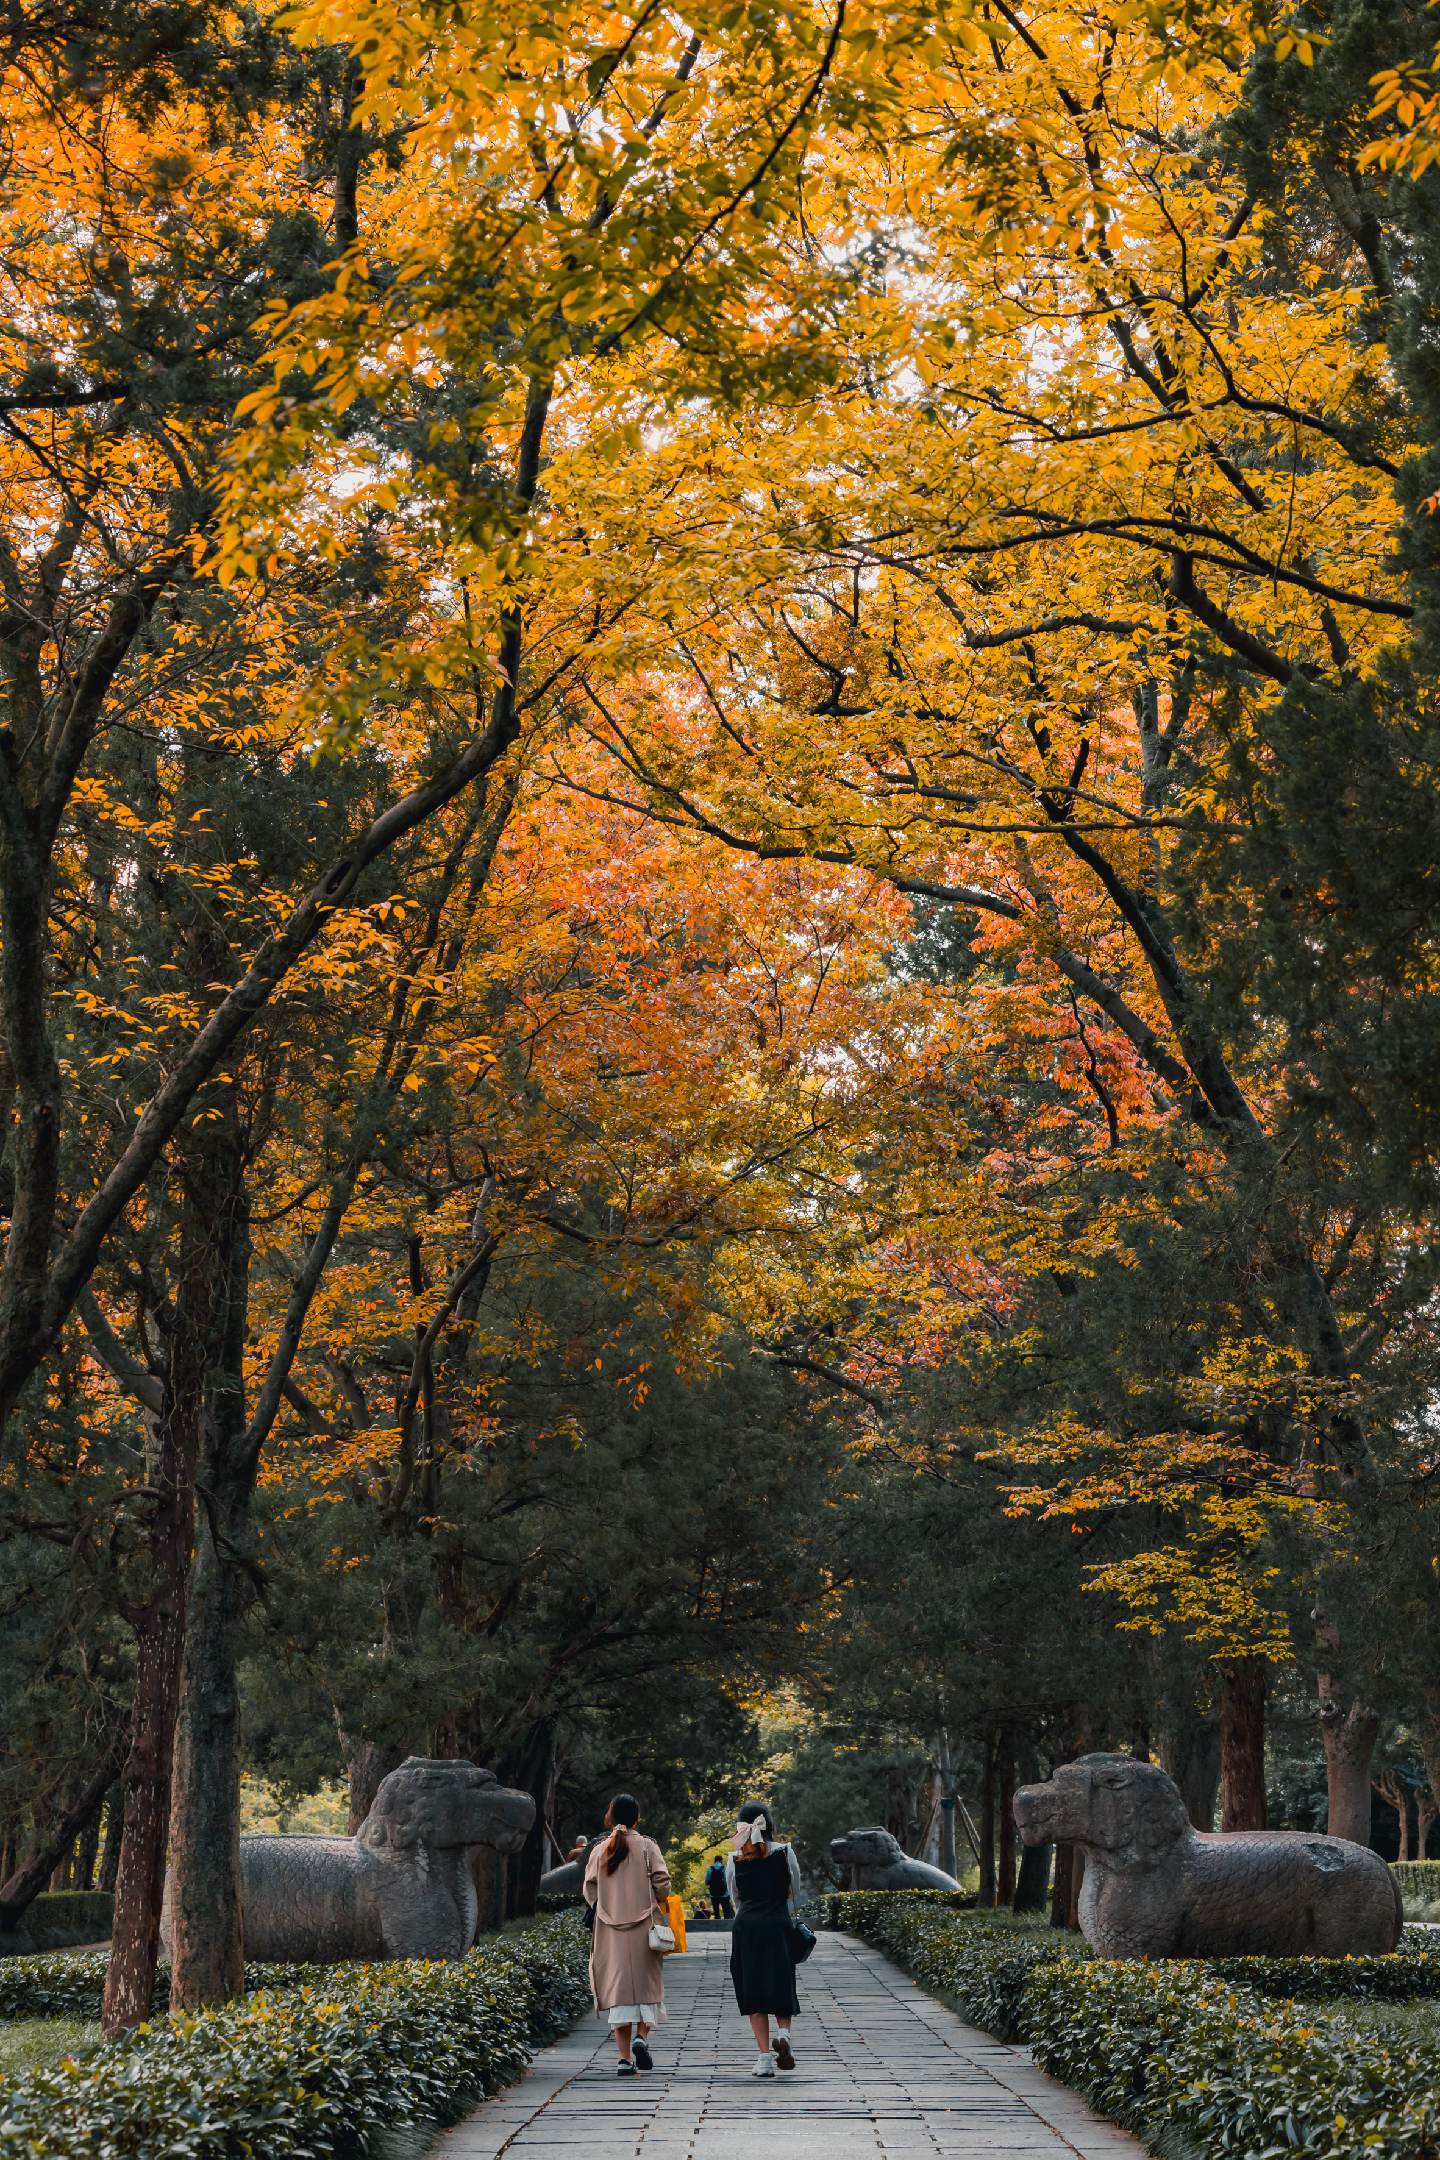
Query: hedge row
{"points": [[58, 1986], [1182, 2046], [304, 2072], [72, 1986], [1418, 1879], [57, 1917], [982, 1967]]}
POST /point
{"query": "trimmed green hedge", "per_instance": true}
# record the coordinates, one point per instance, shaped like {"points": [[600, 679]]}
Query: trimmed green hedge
{"points": [[304, 2070], [981, 1964], [1189, 2049], [73, 1986], [60, 1986], [1419, 1880], [57, 1917]]}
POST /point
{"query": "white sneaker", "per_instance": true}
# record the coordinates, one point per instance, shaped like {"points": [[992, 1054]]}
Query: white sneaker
{"points": [[764, 2066]]}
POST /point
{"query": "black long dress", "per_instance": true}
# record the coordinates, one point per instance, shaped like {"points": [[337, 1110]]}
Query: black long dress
{"points": [[762, 1954]]}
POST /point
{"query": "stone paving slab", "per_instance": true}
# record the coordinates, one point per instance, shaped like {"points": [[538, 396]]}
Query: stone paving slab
{"points": [[884, 2071]]}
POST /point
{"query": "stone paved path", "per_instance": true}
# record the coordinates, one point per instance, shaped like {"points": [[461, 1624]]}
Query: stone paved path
{"points": [[883, 2070]]}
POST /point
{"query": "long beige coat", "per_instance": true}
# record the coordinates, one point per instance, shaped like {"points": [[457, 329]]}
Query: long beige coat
{"points": [[623, 1967]]}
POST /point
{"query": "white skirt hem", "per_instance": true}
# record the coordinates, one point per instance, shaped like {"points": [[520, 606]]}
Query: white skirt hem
{"points": [[637, 2014]]}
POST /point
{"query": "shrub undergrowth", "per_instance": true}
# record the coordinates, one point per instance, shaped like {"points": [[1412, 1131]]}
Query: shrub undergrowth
{"points": [[311, 2065], [1223, 2057]]}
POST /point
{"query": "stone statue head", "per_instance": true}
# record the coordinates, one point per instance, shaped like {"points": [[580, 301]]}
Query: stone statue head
{"points": [[1131, 1812], [870, 1848], [445, 1805]]}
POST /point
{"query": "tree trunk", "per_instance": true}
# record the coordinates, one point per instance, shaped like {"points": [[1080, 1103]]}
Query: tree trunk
{"points": [[196, 1338], [1077, 1884], [1005, 1885], [1392, 1790], [527, 1767], [114, 1826], [1349, 1731], [946, 1766], [140, 1882], [371, 1761], [24, 1884], [1190, 1751], [1430, 1756], [987, 1826], [1032, 1882], [207, 1945], [1242, 1744], [87, 1853], [489, 1872], [1060, 1887]]}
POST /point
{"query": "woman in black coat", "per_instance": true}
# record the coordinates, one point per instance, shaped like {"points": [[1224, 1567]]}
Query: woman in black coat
{"points": [[765, 1882]]}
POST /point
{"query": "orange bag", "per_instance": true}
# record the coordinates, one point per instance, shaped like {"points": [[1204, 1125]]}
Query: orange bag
{"points": [[675, 1914]]}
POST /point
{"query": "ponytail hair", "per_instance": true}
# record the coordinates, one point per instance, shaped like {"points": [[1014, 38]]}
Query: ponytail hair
{"points": [[620, 1819], [755, 1811]]}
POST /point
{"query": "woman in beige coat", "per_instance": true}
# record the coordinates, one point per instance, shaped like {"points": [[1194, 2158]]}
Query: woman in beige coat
{"points": [[625, 1880]]}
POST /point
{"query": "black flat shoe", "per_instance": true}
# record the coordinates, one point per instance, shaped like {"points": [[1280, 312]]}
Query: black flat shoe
{"points": [[643, 2058], [625, 2069]]}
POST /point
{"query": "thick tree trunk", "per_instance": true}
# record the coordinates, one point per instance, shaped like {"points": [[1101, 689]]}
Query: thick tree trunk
{"points": [[1060, 1886], [1032, 1882], [140, 1883], [1190, 1751], [206, 1938], [1077, 1884], [1430, 1756], [490, 1890], [946, 1770], [371, 1761], [1349, 1731], [987, 1825], [529, 1768], [114, 1828], [24, 1884], [1242, 1744], [206, 1943], [1005, 1884], [199, 1319], [87, 1852]]}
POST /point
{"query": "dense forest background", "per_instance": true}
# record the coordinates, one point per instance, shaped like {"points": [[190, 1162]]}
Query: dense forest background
{"points": [[718, 882]]}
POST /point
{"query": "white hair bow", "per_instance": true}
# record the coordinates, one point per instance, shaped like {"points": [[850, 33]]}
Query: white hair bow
{"points": [[750, 1833]]}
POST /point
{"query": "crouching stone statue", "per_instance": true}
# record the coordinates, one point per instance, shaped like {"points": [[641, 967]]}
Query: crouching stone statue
{"points": [[568, 1879], [1155, 1887], [873, 1860], [402, 1887]]}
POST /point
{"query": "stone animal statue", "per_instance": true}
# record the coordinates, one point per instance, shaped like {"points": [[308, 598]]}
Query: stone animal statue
{"points": [[568, 1879], [1155, 1887], [402, 1887], [872, 1860]]}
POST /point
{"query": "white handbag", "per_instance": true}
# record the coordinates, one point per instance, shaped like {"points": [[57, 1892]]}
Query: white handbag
{"points": [[662, 1936]]}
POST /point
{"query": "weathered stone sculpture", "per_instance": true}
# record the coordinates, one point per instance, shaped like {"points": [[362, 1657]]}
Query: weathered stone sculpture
{"points": [[402, 1887], [568, 1879], [872, 1860], [1155, 1887]]}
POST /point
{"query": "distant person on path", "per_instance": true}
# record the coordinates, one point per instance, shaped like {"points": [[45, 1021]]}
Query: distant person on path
{"points": [[625, 1881], [718, 1890], [764, 1880]]}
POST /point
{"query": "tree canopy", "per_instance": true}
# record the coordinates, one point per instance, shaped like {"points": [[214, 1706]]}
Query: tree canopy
{"points": [[718, 854]]}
